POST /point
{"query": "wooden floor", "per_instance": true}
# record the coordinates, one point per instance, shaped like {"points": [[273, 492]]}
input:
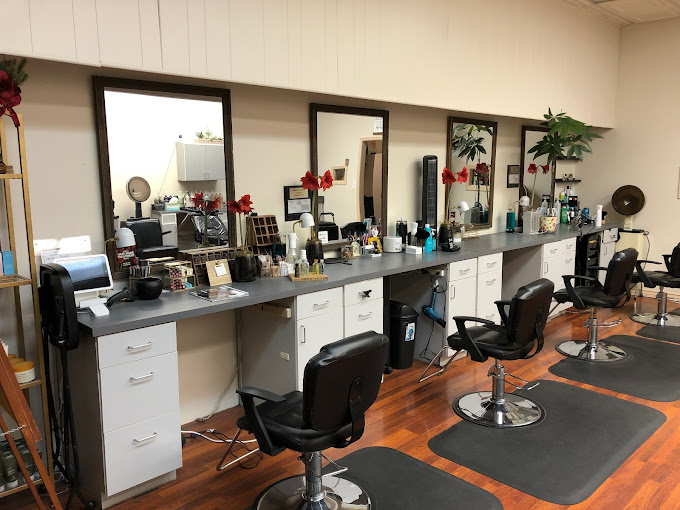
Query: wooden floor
{"points": [[405, 416]]}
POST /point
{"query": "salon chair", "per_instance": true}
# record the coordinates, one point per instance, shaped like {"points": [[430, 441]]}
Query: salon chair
{"points": [[340, 384], [217, 231], [520, 336], [149, 239], [661, 279], [613, 294]]}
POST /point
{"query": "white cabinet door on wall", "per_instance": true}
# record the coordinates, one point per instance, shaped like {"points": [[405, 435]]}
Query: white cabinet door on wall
{"points": [[312, 334], [217, 39], [198, 64], [214, 162], [120, 42], [150, 31], [85, 30], [462, 301], [174, 25], [15, 36], [247, 41], [52, 30]]}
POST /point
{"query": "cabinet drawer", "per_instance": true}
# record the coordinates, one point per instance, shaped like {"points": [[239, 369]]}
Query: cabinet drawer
{"points": [[569, 246], [318, 303], [553, 249], [139, 391], [489, 287], [462, 269], [143, 451], [488, 263], [364, 317], [361, 292], [136, 344]]}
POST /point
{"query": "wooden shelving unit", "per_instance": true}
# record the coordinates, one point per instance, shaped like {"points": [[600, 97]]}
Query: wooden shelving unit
{"points": [[13, 283]]}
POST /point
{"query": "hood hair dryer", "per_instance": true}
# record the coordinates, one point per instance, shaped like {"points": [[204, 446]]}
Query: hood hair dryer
{"points": [[430, 312]]}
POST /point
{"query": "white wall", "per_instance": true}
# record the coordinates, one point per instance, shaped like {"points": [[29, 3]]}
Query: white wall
{"points": [[643, 149]]}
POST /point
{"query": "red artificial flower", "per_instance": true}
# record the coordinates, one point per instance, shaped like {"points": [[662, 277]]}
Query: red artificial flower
{"points": [[245, 204], [326, 180], [310, 182], [234, 206], [532, 168], [447, 176], [197, 200], [463, 175], [211, 205], [546, 169], [482, 168], [10, 96]]}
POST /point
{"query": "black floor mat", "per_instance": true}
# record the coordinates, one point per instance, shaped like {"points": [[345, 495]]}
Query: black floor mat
{"points": [[667, 333], [584, 437], [650, 371]]}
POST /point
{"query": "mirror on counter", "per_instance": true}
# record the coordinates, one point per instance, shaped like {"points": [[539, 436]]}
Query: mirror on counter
{"points": [[160, 144], [471, 157], [351, 143], [535, 178]]}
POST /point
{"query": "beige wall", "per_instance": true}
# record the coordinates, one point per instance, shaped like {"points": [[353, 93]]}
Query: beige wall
{"points": [[643, 149]]}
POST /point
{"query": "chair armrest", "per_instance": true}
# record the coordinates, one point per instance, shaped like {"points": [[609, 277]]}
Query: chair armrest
{"points": [[501, 304], [667, 260], [248, 396], [646, 281], [571, 292], [470, 346], [642, 261], [260, 393], [597, 268]]}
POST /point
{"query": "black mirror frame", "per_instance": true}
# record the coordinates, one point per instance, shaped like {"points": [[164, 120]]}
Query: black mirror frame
{"points": [[315, 108], [492, 178], [100, 83]]}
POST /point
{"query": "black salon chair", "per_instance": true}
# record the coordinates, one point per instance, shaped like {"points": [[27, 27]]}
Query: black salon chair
{"points": [[217, 231], [520, 333], [662, 279], [149, 239], [614, 293], [340, 384]]}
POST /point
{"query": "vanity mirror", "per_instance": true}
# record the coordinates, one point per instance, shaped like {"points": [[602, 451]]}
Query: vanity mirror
{"points": [[352, 144], [534, 181], [158, 145], [471, 157]]}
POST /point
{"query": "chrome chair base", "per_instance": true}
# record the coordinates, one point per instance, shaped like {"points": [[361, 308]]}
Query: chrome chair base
{"points": [[654, 319], [581, 349], [338, 494], [509, 411]]}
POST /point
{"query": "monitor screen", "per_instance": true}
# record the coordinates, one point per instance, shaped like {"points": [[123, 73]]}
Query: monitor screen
{"points": [[90, 273]]}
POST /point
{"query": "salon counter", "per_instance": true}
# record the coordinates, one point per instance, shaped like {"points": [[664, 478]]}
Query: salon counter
{"points": [[182, 305]]}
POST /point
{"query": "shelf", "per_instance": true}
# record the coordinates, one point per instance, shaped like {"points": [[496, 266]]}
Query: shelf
{"points": [[575, 181], [14, 281], [10, 176], [35, 382], [18, 489]]}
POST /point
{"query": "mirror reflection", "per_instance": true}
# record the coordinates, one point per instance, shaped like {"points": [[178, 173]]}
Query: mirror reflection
{"points": [[167, 162], [471, 158], [536, 179], [351, 143]]}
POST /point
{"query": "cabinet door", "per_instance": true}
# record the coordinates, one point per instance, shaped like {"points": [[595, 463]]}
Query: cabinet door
{"points": [[489, 287], [553, 269], [52, 29], [312, 334], [15, 35], [607, 251], [193, 163], [364, 317], [85, 30], [214, 162], [120, 42], [173, 16], [462, 301]]}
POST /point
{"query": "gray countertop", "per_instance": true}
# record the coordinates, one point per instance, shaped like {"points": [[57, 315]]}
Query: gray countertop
{"points": [[182, 305]]}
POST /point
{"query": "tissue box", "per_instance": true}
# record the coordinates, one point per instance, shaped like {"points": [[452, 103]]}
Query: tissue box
{"points": [[7, 263]]}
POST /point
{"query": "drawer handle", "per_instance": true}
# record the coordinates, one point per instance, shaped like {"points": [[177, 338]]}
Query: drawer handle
{"points": [[491, 264], [319, 305], [491, 282], [303, 330], [546, 268], [137, 347], [490, 316], [463, 271], [141, 377], [145, 439], [453, 292], [568, 261], [554, 250], [365, 315], [366, 293]]}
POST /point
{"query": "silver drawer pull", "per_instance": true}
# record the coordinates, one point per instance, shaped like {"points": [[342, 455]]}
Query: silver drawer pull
{"points": [[491, 264], [491, 282], [365, 315], [141, 377], [554, 250], [568, 261], [303, 330], [490, 316], [145, 439], [462, 271], [137, 347], [319, 305]]}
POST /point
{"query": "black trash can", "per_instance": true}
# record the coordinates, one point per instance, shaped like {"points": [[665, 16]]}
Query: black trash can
{"points": [[402, 334]]}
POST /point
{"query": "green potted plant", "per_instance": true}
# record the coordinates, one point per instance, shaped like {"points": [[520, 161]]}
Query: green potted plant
{"points": [[468, 143]]}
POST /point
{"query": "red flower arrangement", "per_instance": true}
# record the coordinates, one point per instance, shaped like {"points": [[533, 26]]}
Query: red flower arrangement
{"points": [[314, 184], [449, 178], [206, 205], [533, 170], [12, 76], [242, 206]]}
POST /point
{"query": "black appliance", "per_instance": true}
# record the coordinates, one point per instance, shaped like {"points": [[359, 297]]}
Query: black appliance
{"points": [[587, 254], [429, 215]]}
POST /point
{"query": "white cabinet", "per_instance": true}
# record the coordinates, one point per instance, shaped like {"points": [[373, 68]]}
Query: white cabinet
{"points": [[364, 307], [174, 16], [607, 250], [52, 29], [199, 161], [312, 334], [462, 292], [15, 36], [558, 259], [489, 288]]}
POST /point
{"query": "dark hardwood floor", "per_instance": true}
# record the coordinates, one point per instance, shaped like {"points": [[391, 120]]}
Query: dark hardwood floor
{"points": [[405, 416]]}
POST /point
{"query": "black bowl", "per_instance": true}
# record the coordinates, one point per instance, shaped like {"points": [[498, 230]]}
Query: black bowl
{"points": [[149, 288]]}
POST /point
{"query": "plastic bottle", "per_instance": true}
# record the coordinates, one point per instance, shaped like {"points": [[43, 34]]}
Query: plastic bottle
{"points": [[315, 267], [428, 241], [297, 270], [304, 264], [322, 267]]}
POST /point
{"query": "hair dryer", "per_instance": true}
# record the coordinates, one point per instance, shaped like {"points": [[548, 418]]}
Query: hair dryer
{"points": [[430, 312]]}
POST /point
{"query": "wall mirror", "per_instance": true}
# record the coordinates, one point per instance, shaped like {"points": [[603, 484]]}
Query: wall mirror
{"points": [[352, 144], [534, 182], [471, 156], [158, 145]]}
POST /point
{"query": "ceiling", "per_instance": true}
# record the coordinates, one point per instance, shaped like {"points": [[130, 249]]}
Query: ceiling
{"points": [[625, 12]]}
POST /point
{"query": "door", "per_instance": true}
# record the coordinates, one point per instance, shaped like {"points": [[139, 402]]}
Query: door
{"points": [[312, 334], [462, 301], [191, 161], [214, 161]]}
